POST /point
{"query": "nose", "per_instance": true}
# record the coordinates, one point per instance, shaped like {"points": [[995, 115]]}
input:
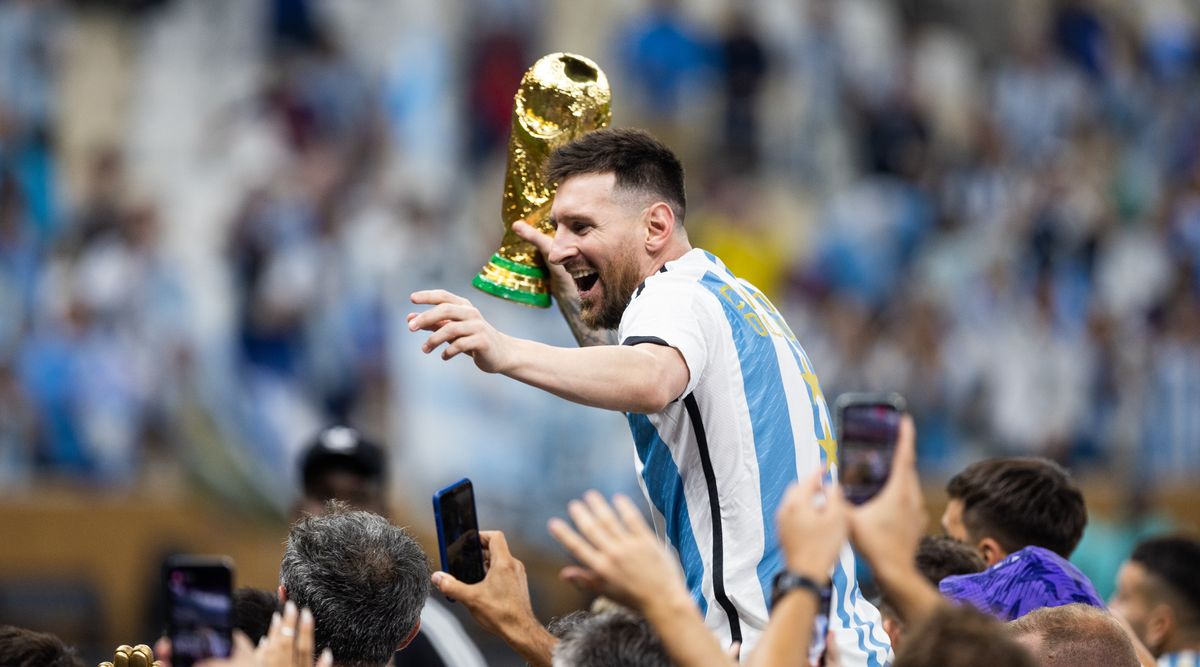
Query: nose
{"points": [[563, 247]]}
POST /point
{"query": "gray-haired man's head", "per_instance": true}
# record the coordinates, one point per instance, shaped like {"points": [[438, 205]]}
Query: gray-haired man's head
{"points": [[611, 638], [364, 579]]}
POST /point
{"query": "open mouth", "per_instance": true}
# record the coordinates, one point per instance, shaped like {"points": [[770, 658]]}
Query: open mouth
{"points": [[585, 279]]}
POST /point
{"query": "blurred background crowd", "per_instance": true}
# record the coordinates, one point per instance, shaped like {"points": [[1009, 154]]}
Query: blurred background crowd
{"points": [[212, 213]]}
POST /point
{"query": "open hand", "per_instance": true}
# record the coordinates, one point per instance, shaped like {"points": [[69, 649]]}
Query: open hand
{"points": [[621, 557], [459, 325]]}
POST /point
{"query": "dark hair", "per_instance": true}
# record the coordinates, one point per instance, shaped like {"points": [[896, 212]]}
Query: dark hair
{"points": [[1021, 502], [25, 648], [939, 557], [1076, 635], [252, 610], [960, 637], [614, 638], [364, 579], [639, 162], [1174, 561]]}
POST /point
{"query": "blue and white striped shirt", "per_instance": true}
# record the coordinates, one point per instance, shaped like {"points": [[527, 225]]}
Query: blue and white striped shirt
{"points": [[716, 462]]}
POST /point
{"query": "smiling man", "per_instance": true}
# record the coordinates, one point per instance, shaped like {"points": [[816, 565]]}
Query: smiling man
{"points": [[723, 402]]}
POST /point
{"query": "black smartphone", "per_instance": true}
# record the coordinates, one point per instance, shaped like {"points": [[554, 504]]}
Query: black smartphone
{"points": [[198, 591], [458, 532], [868, 426]]}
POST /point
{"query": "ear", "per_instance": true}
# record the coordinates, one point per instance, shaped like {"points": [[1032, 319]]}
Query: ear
{"points": [[1160, 625], [991, 551], [282, 592], [660, 226], [411, 636]]}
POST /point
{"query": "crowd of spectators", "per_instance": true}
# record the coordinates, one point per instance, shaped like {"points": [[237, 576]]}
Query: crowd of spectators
{"points": [[992, 210]]}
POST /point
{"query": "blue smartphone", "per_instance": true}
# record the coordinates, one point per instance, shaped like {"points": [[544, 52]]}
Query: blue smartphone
{"points": [[458, 532]]}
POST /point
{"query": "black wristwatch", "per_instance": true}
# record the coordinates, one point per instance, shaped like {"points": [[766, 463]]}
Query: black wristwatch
{"points": [[786, 582]]}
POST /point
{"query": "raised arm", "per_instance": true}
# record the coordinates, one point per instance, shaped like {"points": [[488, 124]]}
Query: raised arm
{"points": [[638, 378], [562, 288]]}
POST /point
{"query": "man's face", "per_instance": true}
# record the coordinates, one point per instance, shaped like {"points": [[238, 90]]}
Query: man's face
{"points": [[1131, 600], [599, 244], [952, 521]]}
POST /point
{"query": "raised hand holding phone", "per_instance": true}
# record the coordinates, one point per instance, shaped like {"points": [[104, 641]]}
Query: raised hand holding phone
{"points": [[868, 426]]}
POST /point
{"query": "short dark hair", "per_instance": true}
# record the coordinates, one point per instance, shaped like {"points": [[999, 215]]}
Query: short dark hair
{"points": [[1076, 635], [1021, 502], [614, 638], [939, 557], [639, 162], [364, 580], [252, 611], [26, 648], [960, 637], [1175, 562]]}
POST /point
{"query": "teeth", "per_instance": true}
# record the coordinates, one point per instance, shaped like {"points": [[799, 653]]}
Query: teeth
{"points": [[581, 273]]}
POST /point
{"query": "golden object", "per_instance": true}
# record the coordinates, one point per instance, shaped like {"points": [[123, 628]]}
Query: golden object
{"points": [[561, 98], [133, 656]]}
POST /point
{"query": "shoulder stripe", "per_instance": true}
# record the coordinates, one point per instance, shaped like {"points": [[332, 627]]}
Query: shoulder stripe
{"points": [[714, 505], [638, 340]]}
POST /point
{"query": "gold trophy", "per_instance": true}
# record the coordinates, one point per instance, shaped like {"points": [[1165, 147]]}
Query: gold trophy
{"points": [[562, 97]]}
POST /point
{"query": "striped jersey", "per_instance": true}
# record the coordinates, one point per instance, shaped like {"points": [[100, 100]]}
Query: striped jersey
{"points": [[716, 462]]}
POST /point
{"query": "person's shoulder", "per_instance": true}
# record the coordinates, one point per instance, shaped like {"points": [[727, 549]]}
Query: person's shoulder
{"points": [[681, 275]]}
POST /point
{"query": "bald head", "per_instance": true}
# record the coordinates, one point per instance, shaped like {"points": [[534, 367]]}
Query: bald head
{"points": [[1074, 635]]}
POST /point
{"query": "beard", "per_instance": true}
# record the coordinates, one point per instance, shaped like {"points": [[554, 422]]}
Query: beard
{"points": [[617, 284]]}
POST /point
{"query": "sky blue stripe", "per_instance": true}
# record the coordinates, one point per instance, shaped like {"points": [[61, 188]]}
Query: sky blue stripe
{"points": [[774, 446], [839, 585], [665, 488], [855, 596]]}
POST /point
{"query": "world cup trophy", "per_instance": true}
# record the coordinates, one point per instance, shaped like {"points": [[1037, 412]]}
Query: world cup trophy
{"points": [[562, 97]]}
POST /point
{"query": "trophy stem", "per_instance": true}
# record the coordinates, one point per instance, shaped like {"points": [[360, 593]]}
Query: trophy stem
{"points": [[516, 282]]}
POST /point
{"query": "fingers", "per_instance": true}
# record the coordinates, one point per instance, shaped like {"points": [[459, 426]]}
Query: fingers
{"points": [[906, 445], [539, 239], [437, 296], [495, 542], [582, 578], [326, 658], [449, 333], [631, 516], [243, 648], [436, 318], [451, 587], [579, 547], [304, 638], [603, 514]]}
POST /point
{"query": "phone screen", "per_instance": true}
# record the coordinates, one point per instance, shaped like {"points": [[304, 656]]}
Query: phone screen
{"points": [[458, 532], [199, 609], [866, 448]]}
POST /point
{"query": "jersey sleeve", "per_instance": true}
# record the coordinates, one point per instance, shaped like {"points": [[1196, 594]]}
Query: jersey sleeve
{"points": [[676, 314]]}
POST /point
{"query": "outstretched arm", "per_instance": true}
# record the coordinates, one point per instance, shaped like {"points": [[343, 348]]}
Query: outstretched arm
{"points": [[629, 378], [564, 292]]}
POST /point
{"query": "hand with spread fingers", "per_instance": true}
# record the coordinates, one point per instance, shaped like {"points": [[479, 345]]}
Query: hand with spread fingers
{"points": [[500, 603], [623, 560], [458, 325], [288, 643], [621, 557]]}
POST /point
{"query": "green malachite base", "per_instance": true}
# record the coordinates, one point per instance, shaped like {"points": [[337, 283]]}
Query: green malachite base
{"points": [[515, 282]]}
